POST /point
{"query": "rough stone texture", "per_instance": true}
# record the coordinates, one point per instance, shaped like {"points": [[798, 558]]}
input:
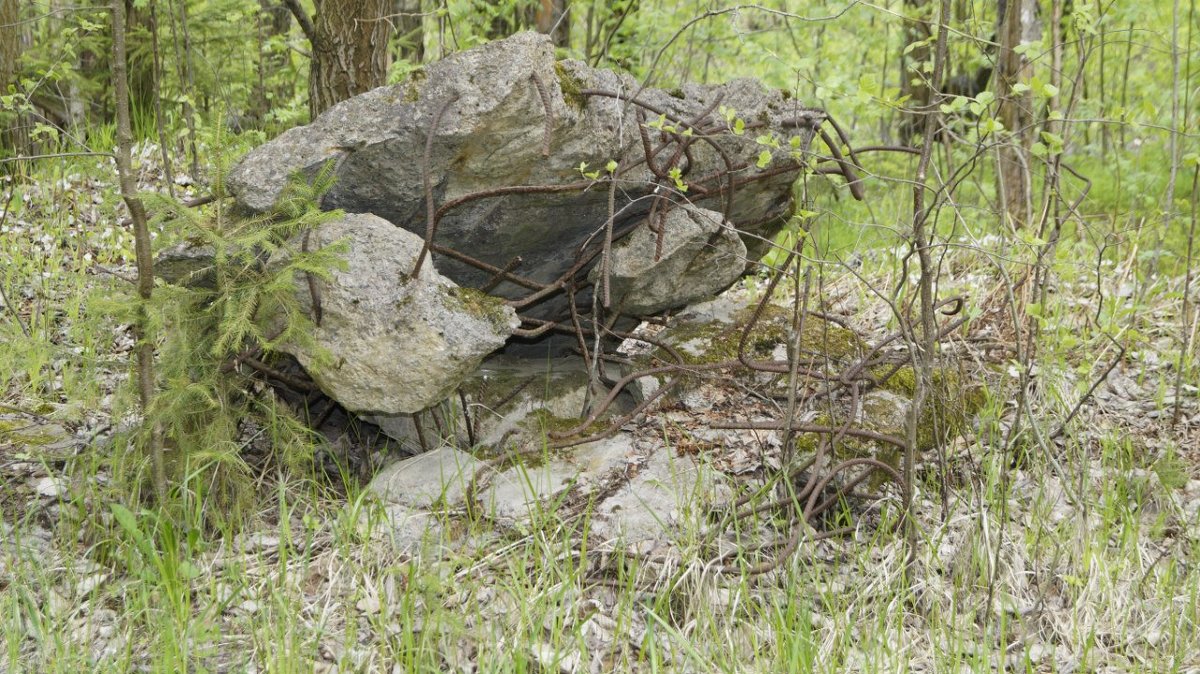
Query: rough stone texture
{"points": [[516, 494], [512, 402], [186, 264], [491, 136], [666, 492], [700, 256], [397, 345], [404, 530], [437, 477]]}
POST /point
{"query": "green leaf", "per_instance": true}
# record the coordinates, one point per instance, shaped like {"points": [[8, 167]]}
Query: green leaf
{"points": [[739, 126], [126, 519], [764, 158], [188, 570]]}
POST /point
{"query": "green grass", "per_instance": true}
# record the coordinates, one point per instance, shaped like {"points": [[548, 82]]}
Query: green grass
{"points": [[1046, 555]]}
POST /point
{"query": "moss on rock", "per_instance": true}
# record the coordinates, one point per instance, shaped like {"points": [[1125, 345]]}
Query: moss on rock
{"points": [[412, 88], [946, 415], [714, 342], [571, 87], [22, 433], [482, 305]]}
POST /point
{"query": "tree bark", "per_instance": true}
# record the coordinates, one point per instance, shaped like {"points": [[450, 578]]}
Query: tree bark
{"points": [[349, 41], [165, 147], [139, 64], [1017, 23]]}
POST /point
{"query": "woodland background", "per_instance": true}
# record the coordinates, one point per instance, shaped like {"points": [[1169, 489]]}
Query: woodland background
{"points": [[1040, 158]]}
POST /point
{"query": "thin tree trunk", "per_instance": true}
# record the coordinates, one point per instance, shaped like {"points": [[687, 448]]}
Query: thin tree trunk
{"points": [[183, 61], [923, 341], [144, 350], [139, 65], [914, 80], [163, 146], [14, 137], [1104, 131], [554, 20], [1017, 23], [1125, 81], [410, 31], [273, 21]]}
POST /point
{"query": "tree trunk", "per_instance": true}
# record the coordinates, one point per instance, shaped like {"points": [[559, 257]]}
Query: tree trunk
{"points": [[410, 33], [607, 33], [1017, 22], [510, 20], [914, 68], [181, 40], [139, 63], [554, 20], [349, 41], [165, 147], [273, 21], [14, 134]]}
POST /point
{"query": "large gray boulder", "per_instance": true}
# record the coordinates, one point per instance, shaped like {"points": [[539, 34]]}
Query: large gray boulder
{"points": [[492, 130], [393, 344]]}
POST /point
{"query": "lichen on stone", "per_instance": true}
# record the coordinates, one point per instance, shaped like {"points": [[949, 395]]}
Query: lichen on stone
{"points": [[480, 304], [24, 434]]}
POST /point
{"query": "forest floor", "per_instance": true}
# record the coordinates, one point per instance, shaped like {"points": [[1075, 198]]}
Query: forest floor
{"points": [[1036, 551]]}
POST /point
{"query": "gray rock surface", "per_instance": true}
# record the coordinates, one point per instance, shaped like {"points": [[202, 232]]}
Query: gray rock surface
{"points": [[700, 256], [519, 492], [439, 477], [512, 402], [666, 493], [395, 344], [636, 492], [187, 265], [489, 123]]}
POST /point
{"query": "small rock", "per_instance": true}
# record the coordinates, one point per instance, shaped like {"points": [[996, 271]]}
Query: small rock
{"points": [[420, 482], [516, 493], [51, 487]]}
